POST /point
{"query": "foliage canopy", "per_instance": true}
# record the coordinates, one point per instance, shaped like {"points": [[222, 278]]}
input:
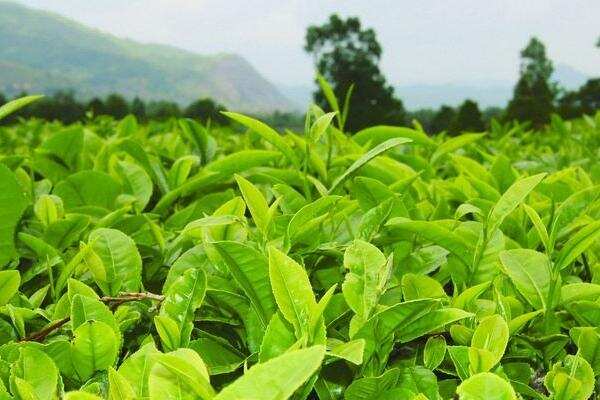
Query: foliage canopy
{"points": [[171, 261]]}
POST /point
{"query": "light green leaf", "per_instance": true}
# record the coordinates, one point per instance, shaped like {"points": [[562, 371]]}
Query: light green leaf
{"points": [[12, 106], [320, 126], [511, 199], [146, 161], [373, 387], [577, 244], [118, 387], [135, 181], [316, 321], [587, 340], [23, 389], [530, 273], [84, 309], [434, 352], [420, 381], [454, 144], [48, 209], [539, 226], [81, 395], [570, 379], [486, 386], [375, 135], [416, 286], [276, 379], [516, 324], [250, 270], [331, 98], [382, 325], [350, 351], [579, 291], [220, 357], [136, 369], [292, 291], [468, 296], [203, 142], [267, 133], [180, 170], [120, 258], [460, 358], [38, 371], [279, 337], [257, 204], [94, 348], [365, 158], [438, 234], [12, 205], [89, 188], [571, 208], [300, 222], [234, 163], [180, 374], [368, 272], [193, 258], [9, 285], [431, 322], [492, 335], [480, 360], [198, 227], [182, 299], [235, 207]]}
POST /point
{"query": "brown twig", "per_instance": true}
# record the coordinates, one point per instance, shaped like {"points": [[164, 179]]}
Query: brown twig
{"points": [[39, 336], [114, 302], [133, 297]]}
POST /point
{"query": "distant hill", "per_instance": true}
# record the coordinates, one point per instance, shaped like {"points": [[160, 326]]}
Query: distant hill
{"points": [[494, 94], [41, 52], [433, 96], [416, 96], [569, 77], [299, 94]]}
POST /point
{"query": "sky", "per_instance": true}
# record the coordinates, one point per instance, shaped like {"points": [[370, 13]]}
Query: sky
{"points": [[424, 41]]}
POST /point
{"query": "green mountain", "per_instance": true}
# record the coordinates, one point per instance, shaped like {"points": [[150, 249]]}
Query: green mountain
{"points": [[41, 52]]}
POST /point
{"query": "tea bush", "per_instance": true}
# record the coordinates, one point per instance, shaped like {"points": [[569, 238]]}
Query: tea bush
{"points": [[174, 261]]}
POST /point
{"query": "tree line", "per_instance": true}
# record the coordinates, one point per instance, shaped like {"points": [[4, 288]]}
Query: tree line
{"points": [[348, 56], [64, 106]]}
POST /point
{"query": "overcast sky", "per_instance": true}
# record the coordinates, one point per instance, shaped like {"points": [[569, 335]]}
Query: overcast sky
{"points": [[424, 41]]}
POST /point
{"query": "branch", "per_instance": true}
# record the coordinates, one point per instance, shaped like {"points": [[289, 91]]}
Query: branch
{"points": [[114, 302], [133, 297], [39, 336]]}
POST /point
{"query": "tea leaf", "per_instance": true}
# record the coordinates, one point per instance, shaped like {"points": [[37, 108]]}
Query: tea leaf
{"points": [[277, 378], [365, 158], [15, 105], [485, 386], [12, 206], [530, 273], [292, 290]]}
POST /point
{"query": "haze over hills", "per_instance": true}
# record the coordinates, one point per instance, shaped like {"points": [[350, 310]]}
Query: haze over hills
{"points": [[41, 52], [487, 94]]}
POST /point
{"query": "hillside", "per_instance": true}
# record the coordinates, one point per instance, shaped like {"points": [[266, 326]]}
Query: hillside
{"points": [[44, 52]]}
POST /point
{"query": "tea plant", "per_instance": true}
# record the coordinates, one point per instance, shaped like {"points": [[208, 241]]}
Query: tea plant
{"points": [[176, 261]]}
